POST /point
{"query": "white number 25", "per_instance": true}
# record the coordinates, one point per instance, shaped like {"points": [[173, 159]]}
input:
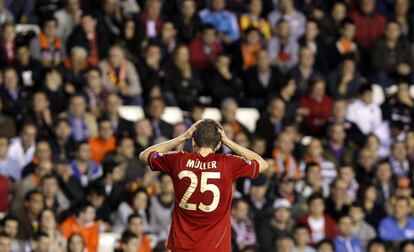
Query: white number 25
{"points": [[205, 186]]}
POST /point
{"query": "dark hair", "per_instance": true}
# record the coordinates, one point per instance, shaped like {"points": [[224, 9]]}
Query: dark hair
{"points": [[127, 236], [71, 238], [28, 196], [314, 197], [365, 88], [375, 242], [133, 216], [310, 165], [81, 207], [207, 134], [405, 244], [300, 226], [39, 235], [80, 143], [8, 217], [49, 19], [207, 27], [325, 241]]}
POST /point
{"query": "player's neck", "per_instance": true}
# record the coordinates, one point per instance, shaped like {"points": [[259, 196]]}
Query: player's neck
{"points": [[204, 151]]}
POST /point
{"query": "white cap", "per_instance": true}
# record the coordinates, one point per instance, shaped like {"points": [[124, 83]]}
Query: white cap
{"points": [[281, 203]]}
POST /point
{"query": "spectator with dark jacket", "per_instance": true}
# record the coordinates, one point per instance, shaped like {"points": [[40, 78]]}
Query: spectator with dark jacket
{"points": [[187, 21]]}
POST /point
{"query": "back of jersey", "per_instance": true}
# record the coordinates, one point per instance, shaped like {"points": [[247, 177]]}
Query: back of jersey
{"points": [[203, 195]]}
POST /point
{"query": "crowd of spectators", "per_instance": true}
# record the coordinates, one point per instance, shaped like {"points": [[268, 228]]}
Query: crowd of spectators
{"points": [[341, 166]]}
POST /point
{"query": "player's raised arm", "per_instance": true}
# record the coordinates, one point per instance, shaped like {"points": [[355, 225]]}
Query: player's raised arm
{"points": [[169, 145], [241, 151]]}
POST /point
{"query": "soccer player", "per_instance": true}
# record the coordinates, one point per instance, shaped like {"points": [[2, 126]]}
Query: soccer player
{"points": [[203, 185]]}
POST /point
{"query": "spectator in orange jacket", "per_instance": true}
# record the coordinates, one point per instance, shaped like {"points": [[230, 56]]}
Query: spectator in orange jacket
{"points": [[83, 223], [104, 143]]}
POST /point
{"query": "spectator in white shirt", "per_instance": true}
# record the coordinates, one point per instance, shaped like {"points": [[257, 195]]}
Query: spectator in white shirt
{"points": [[22, 148], [8, 166], [364, 112]]}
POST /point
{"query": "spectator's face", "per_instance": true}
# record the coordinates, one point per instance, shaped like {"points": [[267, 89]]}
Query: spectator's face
{"points": [[253, 37], [77, 106], [113, 102], [96, 200], [256, 7], [143, 128], [209, 37], [223, 62], [306, 57], [258, 192], [50, 28], [135, 226], [28, 135], [409, 140], [377, 247], [408, 248], [384, 173], [129, 29], [168, 31], [11, 80], [11, 228], [47, 220], [241, 211], [229, 112], [403, 93], [285, 245], [127, 148], [23, 54], [40, 102], [88, 215], [179, 129], [315, 148], [348, 31], [105, 130], [302, 236], [84, 152], [313, 175], [188, 8], [338, 12], [153, 53], [401, 209], [367, 6], [110, 6], [399, 151], [63, 130], [312, 30], [339, 109], [50, 187], [140, 201], [154, 8], [282, 215], [132, 245], [166, 185], [94, 80], [345, 226], [339, 189], [5, 244], [283, 30], [76, 243], [402, 7], [259, 146], [286, 5], [357, 214], [116, 56], [242, 140], [9, 33], [156, 109], [35, 204], [392, 31], [326, 247], [43, 151], [287, 185], [316, 207], [367, 97], [197, 114], [285, 143], [88, 24], [183, 55], [4, 147], [53, 80], [318, 89], [337, 134], [73, 5], [347, 174], [263, 60], [218, 5]]}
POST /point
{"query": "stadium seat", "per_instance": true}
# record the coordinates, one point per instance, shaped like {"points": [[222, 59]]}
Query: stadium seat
{"points": [[172, 115], [248, 117], [131, 113], [212, 113], [107, 242], [378, 93]]}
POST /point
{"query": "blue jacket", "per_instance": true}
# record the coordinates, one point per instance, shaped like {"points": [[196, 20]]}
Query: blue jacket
{"points": [[223, 21], [389, 230], [352, 244]]}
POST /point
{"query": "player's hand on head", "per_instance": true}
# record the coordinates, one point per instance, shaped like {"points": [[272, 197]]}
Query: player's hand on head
{"points": [[189, 133], [224, 138]]}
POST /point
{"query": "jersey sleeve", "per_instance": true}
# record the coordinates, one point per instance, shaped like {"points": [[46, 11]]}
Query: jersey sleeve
{"points": [[243, 168], [163, 162]]}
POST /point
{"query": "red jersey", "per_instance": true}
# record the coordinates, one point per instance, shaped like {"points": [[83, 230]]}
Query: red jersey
{"points": [[203, 195]]}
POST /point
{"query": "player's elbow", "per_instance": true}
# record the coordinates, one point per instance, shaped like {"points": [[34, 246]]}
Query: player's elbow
{"points": [[263, 165], [143, 156]]}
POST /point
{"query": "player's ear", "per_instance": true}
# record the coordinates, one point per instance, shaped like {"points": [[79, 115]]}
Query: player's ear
{"points": [[193, 143]]}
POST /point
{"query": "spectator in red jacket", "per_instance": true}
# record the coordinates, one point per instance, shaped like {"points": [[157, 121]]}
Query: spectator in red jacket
{"points": [[320, 225], [317, 106], [370, 24], [204, 47]]}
